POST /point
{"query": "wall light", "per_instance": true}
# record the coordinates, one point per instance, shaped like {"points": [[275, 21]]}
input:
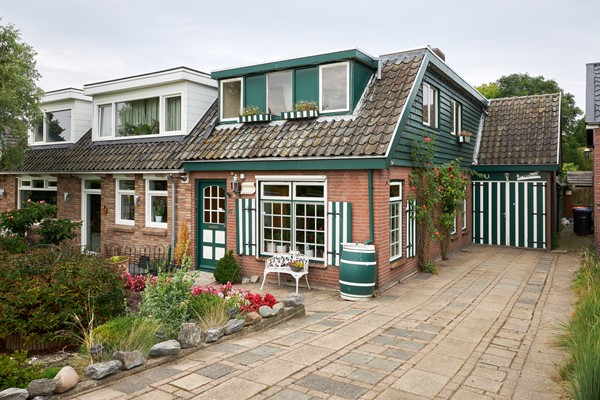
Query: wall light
{"points": [[1, 193], [66, 196], [235, 185], [136, 200]]}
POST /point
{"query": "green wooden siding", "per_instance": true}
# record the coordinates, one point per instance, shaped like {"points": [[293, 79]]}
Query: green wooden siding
{"points": [[359, 75], [255, 92], [306, 84], [447, 146]]}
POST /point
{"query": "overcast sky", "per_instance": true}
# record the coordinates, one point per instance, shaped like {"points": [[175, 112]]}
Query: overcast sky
{"points": [[81, 42]]}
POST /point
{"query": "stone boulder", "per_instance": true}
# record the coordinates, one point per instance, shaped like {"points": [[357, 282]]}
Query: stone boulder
{"points": [[278, 308], [293, 300], [253, 318], [214, 334], [167, 348], [190, 335], [41, 387], [130, 359], [254, 278], [266, 312], [234, 325], [14, 394], [103, 369], [66, 379]]}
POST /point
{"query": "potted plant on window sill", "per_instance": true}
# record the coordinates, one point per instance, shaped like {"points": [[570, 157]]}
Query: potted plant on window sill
{"points": [[302, 109], [158, 209], [464, 136], [253, 114]]}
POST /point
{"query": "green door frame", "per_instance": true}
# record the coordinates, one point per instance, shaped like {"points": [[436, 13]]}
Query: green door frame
{"points": [[211, 236]]}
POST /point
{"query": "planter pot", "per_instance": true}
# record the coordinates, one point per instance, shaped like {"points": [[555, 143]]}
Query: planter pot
{"points": [[296, 269], [270, 247], [158, 218], [464, 139], [255, 118], [309, 252], [123, 264], [281, 249], [300, 114]]}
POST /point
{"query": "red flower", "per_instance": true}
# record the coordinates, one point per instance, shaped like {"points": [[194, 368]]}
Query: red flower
{"points": [[413, 188], [424, 207], [437, 233], [450, 169], [427, 139]]}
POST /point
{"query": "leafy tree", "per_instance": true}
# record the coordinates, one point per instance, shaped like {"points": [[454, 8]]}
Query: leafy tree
{"points": [[571, 124], [19, 94]]}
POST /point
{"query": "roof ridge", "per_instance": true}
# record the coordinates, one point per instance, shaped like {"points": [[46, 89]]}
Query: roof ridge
{"points": [[526, 96]]}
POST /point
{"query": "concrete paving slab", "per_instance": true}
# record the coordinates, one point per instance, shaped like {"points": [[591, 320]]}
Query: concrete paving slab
{"points": [[422, 383]]}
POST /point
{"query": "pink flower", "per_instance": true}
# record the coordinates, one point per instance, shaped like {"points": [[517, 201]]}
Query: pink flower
{"points": [[424, 207], [413, 188], [427, 139], [42, 202], [437, 233]]}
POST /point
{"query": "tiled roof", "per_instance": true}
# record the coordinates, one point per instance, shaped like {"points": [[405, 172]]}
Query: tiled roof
{"points": [[592, 101], [580, 178], [368, 132], [521, 131]]}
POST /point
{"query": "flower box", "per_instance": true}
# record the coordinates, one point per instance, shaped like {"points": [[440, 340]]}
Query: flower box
{"points": [[299, 114], [255, 118], [464, 139]]}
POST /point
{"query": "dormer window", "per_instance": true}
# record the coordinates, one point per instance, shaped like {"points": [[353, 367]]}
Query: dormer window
{"points": [[279, 92], [334, 93], [231, 99], [54, 128]]}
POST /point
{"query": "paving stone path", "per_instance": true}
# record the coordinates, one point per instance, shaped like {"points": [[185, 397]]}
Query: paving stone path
{"points": [[481, 329]]}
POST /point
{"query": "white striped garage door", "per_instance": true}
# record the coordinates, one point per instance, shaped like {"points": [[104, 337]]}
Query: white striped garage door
{"points": [[510, 213]]}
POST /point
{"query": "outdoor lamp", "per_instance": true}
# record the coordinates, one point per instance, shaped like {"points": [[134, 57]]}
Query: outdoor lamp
{"points": [[235, 185]]}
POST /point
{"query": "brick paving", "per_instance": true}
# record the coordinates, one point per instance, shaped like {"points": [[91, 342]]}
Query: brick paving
{"points": [[480, 329]]}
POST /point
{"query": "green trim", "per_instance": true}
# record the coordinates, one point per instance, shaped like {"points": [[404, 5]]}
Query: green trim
{"points": [[371, 209], [283, 165], [353, 54], [514, 168]]}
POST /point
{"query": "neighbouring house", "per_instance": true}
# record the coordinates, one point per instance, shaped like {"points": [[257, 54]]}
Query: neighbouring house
{"points": [[300, 154], [592, 121]]}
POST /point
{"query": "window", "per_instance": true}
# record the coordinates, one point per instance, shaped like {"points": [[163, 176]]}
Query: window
{"points": [[138, 117], [456, 116], [334, 87], [55, 127], [173, 114], [156, 203], [125, 201], [36, 190], [106, 126], [464, 214], [430, 101], [453, 231], [231, 99], [279, 92], [395, 220], [293, 217]]}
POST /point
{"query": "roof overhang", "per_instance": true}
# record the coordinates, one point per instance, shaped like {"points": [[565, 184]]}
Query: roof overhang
{"points": [[278, 164], [64, 94]]}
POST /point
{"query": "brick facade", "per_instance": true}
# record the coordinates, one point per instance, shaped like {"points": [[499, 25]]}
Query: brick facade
{"points": [[596, 184]]}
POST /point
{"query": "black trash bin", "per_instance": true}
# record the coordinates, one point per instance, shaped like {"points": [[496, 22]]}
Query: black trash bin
{"points": [[582, 217]]}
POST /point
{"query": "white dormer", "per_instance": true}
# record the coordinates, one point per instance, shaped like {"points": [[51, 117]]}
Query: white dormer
{"points": [[67, 116], [164, 103]]}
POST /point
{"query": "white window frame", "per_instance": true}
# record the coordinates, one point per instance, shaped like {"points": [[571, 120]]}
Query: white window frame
{"points": [[456, 117], [464, 215], [123, 192], [454, 223], [397, 202], [321, 68], [163, 111], [429, 91], [292, 182], [45, 126], [148, 202], [221, 83], [26, 183]]}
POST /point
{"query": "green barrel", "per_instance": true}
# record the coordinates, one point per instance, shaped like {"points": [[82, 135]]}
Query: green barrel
{"points": [[358, 271]]}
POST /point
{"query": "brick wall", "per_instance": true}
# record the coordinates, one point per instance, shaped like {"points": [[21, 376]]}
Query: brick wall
{"points": [[9, 200], [596, 186]]}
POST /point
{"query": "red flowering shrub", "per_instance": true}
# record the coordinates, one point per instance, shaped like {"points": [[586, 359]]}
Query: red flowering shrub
{"points": [[244, 300]]}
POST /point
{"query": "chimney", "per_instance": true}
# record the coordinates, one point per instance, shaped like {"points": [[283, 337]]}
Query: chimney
{"points": [[439, 53]]}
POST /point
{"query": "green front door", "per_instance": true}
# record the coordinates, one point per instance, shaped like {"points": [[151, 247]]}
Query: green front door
{"points": [[211, 217]]}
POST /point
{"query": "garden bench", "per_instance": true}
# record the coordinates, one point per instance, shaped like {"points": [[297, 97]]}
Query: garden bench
{"points": [[281, 262]]}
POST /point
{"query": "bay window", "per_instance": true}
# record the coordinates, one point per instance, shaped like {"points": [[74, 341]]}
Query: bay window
{"points": [[396, 211], [125, 210], [156, 203], [334, 81]]}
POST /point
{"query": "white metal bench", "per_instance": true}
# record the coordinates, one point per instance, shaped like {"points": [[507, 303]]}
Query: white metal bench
{"points": [[281, 263]]}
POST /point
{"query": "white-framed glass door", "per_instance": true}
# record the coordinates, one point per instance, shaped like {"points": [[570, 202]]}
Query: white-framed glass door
{"points": [[91, 214]]}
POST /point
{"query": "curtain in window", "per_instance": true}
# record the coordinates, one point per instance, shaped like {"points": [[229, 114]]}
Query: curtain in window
{"points": [[139, 117], [173, 114]]}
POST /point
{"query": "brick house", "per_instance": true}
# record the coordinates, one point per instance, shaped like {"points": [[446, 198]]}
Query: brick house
{"points": [[169, 148], [592, 121]]}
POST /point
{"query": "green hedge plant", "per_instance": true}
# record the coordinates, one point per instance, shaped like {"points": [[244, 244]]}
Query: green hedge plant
{"points": [[227, 269]]}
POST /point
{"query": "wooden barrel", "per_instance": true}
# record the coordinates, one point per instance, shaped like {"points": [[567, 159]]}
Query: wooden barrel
{"points": [[358, 272]]}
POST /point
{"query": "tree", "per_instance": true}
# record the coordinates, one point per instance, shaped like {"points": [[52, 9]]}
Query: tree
{"points": [[571, 125], [19, 94]]}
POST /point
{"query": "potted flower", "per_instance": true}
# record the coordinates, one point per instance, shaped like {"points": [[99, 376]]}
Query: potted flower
{"points": [[297, 266], [253, 114], [464, 136], [158, 209], [121, 261], [302, 109]]}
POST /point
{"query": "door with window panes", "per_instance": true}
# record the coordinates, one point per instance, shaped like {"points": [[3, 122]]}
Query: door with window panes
{"points": [[293, 218], [211, 217]]}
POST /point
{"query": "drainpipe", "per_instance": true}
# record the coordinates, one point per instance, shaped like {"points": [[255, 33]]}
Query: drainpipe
{"points": [[371, 211], [173, 227]]}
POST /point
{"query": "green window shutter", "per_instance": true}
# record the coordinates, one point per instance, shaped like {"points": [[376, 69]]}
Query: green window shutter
{"points": [[339, 230], [246, 226], [411, 229]]}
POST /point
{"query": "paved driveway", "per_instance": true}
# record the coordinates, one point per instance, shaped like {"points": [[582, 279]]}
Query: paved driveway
{"points": [[481, 329]]}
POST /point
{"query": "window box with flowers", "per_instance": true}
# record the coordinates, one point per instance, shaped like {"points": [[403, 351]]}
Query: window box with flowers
{"points": [[464, 137], [302, 109], [253, 114]]}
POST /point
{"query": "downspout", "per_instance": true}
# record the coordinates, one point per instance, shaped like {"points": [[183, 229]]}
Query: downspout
{"points": [[371, 211], [173, 227]]}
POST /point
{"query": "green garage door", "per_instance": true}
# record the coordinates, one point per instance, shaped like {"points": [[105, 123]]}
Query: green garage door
{"points": [[510, 213]]}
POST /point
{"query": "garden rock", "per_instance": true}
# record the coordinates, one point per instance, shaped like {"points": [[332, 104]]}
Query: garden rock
{"points": [[234, 325], [66, 379], [130, 359], [100, 370], [167, 348], [278, 308], [14, 394], [245, 280], [266, 312], [254, 278], [41, 387], [293, 300], [40, 398], [253, 318], [189, 335], [214, 334]]}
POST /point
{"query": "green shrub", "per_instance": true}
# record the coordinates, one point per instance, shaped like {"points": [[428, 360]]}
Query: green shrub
{"points": [[210, 311], [127, 333], [54, 231], [49, 373], [227, 269], [19, 220], [40, 291], [167, 300], [16, 371], [13, 244]]}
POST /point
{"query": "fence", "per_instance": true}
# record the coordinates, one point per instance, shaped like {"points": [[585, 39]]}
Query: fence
{"points": [[143, 260]]}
